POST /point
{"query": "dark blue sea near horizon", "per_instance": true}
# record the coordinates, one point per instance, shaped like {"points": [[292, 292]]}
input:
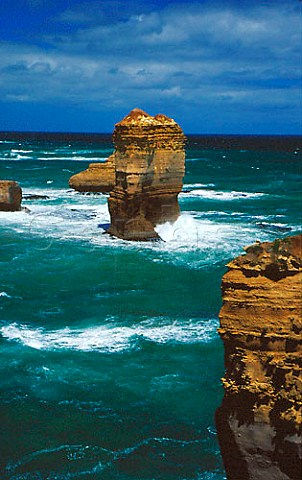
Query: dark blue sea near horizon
{"points": [[110, 360]]}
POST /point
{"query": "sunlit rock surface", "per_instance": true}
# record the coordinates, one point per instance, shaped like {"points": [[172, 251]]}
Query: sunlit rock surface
{"points": [[10, 196], [99, 177], [150, 165], [259, 422]]}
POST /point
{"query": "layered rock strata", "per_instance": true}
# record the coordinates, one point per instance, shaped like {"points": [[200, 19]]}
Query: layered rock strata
{"points": [[149, 165], [259, 422], [10, 196], [99, 177]]}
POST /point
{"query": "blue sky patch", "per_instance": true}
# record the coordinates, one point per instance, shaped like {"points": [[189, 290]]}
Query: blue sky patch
{"points": [[215, 66]]}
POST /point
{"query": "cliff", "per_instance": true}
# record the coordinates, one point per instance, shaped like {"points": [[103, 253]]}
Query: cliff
{"points": [[259, 422], [99, 177], [10, 196], [149, 164]]}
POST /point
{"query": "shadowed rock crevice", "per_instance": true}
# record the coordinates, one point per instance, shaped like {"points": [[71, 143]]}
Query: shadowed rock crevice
{"points": [[259, 421]]}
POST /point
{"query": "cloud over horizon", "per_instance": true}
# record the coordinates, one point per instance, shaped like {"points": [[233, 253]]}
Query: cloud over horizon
{"points": [[214, 66]]}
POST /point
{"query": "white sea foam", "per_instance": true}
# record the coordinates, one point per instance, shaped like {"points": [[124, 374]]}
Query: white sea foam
{"points": [[94, 151], [95, 460], [195, 240], [196, 159], [279, 227], [5, 295], [66, 197], [51, 192], [69, 215], [110, 339], [74, 158], [220, 195], [191, 233], [18, 157], [63, 215], [185, 229], [198, 185], [15, 150]]}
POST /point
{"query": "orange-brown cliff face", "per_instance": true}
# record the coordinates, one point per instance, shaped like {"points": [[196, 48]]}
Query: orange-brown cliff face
{"points": [[99, 177], [10, 196], [149, 164], [259, 422]]}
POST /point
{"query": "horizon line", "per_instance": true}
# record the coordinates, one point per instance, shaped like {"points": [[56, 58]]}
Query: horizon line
{"points": [[57, 132]]}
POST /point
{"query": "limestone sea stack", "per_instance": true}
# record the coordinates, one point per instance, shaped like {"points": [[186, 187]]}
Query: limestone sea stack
{"points": [[10, 196], [259, 422], [149, 165], [99, 177]]}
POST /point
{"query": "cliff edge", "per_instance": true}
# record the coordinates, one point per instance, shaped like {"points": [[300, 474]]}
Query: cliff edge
{"points": [[259, 421]]}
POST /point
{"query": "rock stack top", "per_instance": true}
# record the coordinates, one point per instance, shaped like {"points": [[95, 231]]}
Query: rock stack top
{"points": [[139, 117], [140, 131]]}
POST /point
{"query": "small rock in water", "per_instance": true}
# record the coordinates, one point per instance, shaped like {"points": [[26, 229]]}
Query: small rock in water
{"points": [[33, 196]]}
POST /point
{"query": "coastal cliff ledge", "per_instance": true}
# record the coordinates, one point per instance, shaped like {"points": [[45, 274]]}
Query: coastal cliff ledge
{"points": [[98, 177], [259, 421]]}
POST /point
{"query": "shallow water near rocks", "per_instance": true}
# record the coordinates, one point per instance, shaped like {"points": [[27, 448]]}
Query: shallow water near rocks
{"points": [[110, 360]]}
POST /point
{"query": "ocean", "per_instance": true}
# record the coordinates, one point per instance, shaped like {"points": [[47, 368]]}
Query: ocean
{"points": [[110, 361]]}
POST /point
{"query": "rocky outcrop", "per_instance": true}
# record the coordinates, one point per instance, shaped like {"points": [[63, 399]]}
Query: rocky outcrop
{"points": [[149, 164], [99, 177], [10, 196], [259, 422], [144, 175]]}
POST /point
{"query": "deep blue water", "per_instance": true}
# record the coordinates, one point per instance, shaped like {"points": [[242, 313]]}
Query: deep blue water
{"points": [[110, 361]]}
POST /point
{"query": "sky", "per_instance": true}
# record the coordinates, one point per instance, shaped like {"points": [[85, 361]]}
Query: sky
{"points": [[220, 66]]}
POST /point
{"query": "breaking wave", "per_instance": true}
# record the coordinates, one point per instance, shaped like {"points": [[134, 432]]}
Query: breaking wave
{"points": [[5, 295], [69, 215], [220, 195], [110, 339]]}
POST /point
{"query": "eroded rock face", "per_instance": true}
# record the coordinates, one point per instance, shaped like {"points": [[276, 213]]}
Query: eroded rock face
{"points": [[149, 164], [10, 196], [99, 177], [259, 422]]}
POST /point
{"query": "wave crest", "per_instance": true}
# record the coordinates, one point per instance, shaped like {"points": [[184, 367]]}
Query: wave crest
{"points": [[110, 339]]}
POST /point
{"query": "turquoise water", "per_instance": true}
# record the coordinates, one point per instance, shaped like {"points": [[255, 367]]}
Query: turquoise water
{"points": [[110, 362]]}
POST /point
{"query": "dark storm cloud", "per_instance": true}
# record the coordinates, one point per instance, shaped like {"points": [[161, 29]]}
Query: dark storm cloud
{"points": [[169, 56]]}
